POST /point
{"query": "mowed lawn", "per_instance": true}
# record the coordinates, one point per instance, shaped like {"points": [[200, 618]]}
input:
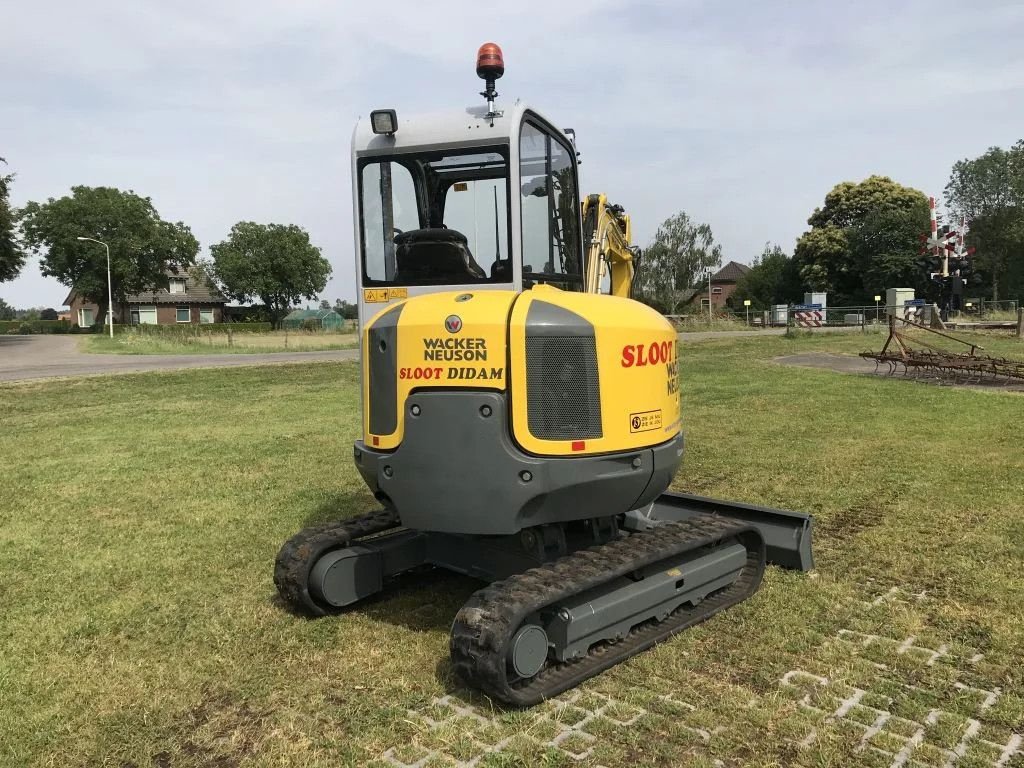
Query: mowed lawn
{"points": [[140, 516]]}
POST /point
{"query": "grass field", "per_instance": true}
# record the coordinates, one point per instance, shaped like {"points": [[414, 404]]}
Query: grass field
{"points": [[140, 516], [218, 343]]}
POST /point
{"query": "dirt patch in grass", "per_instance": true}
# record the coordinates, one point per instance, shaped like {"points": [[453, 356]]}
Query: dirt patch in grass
{"points": [[853, 520], [222, 731]]}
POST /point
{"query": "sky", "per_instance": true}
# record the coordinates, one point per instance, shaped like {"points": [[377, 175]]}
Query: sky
{"points": [[743, 114]]}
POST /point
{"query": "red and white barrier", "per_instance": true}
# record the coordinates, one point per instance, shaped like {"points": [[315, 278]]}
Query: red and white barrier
{"points": [[809, 318]]}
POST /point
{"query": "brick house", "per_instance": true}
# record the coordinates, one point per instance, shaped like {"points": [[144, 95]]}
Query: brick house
{"points": [[723, 286], [189, 298]]}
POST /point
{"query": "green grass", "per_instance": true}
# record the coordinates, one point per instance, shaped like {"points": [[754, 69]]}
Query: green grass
{"points": [[128, 343], [140, 516]]}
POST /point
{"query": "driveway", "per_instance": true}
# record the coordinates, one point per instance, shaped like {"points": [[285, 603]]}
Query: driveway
{"points": [[42, 357]]}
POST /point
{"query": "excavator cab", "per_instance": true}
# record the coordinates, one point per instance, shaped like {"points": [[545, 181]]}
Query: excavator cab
{"points": [[472, 200]]}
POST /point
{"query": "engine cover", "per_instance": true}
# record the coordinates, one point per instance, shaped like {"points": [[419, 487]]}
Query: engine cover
{"points": [[585, 374]]}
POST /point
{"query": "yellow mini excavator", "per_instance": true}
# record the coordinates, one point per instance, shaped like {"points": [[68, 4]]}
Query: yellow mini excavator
{"points": [[521, 416]]}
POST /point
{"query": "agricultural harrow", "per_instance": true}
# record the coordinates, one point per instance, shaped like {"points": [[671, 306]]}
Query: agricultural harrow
{"points": [[914, 357]]}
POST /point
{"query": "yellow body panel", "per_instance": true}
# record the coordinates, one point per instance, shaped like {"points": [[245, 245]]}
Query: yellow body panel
{"points": [[430, 355], [637, 367]]}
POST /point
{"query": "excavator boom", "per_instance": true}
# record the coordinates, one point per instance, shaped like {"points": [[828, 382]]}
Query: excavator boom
{"points": [[610, 254]]}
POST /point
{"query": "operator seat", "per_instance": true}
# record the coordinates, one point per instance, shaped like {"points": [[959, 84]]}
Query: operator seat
{"points": [[435, 256], [501, 271]]}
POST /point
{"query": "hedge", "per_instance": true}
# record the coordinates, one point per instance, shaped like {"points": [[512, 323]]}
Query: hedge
{"points": [[193, 329], [34, 326]]}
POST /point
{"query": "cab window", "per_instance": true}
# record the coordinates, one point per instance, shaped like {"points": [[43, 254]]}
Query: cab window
{"points": [[436, 218], [550, 216]]}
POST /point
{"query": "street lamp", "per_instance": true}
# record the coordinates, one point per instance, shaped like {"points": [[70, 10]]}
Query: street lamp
{"points": [[110, 292]]}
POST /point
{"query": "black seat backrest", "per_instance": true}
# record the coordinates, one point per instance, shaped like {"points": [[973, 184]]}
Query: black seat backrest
{"points": [[501, 271], [435, 257]]}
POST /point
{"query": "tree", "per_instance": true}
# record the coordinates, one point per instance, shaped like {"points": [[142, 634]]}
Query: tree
{"points": [[682, 249], [12, 257], [6, 311], [885, 250], [346, 310], [274, 263], [142, 245], [841, 253], [988, 191], [49, 313], [773, 279]]}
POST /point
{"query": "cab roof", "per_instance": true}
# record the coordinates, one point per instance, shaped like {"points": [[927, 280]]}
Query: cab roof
{"points": [[454, 128]]}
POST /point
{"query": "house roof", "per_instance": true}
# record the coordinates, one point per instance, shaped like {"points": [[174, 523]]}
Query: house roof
{"points": [[198, 290], [730, 273], [688, 294]]}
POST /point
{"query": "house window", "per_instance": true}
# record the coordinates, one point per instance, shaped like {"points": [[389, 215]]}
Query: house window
{"points": [[144, 315], [85, 318], [177, 285], [184, 315], [206, 315], [716, 289]]}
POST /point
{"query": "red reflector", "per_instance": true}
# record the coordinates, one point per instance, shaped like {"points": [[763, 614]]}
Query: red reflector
{"points": [[376, 440], [578, 445]]}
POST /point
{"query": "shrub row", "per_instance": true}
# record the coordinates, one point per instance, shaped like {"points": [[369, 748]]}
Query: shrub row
{"points": [[35, 326], [194, 329]]}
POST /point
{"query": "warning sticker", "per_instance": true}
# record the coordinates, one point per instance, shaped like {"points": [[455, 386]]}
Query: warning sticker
{"points": [[644, 421], [382, 295]]}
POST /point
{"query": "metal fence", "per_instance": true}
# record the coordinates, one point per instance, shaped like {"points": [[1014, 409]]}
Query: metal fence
{"points": [[845, 316]]}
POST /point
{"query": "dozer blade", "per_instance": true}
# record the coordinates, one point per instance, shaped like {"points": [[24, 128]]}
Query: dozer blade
{"points": [[787, 535]]}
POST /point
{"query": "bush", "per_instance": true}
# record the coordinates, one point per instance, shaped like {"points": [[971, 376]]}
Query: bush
{"points": [[34, 326], [193, 329], [310, 324]]}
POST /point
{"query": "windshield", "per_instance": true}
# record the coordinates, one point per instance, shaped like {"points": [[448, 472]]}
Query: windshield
{"points": [[435, 218]]}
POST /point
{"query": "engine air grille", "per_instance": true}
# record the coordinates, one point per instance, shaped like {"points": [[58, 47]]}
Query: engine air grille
{"points": [[562, 387]]}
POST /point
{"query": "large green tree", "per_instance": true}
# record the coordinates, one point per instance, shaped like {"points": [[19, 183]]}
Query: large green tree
{"points": [[773, 279], [12, 257], [682, 249], [273, 263], [863, 239], [142, 245], [988, 191]]}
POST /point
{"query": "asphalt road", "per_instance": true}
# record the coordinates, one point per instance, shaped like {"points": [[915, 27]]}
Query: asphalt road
{"points": [[51, 356], [42, 357]]}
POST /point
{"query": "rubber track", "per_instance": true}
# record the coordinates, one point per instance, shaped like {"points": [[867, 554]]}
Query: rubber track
{"points": [[299, 554], [485, 625]]}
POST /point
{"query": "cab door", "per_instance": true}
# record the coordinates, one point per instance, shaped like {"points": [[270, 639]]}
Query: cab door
{"points": [[552, 251]]}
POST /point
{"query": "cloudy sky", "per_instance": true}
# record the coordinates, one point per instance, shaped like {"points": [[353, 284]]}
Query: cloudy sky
{"points": [[743, 114]]}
